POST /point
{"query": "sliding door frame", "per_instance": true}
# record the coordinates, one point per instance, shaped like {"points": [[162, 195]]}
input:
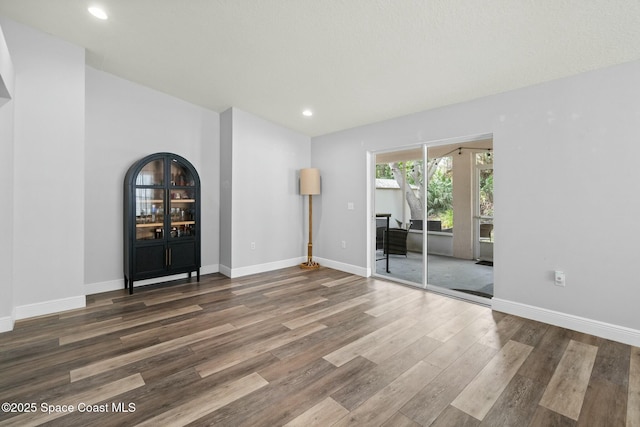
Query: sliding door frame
{"points": [[371, 205], [372, 161]]}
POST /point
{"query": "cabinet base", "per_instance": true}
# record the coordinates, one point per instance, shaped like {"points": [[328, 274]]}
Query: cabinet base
{"points": [[128, 284]]}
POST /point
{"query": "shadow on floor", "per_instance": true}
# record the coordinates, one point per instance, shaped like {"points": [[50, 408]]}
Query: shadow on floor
{"points": [[446, 272]]}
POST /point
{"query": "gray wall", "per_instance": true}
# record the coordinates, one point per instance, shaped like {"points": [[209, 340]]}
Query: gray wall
{"points": [[7, 77], [226, 193], [565, 191], [48, 172], [260, 182], [125, 122]]}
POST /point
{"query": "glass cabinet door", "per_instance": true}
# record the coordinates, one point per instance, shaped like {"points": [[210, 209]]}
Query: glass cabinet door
{"points": [[182, 202], [149, 213], [182, 213], [151, 174], [150, 202], [180, 175]]}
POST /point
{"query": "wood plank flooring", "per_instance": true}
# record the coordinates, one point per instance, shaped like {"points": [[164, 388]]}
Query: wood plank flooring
{"points": [[308, 348]]}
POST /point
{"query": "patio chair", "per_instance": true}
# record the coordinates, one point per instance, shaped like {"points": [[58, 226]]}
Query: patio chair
{"points": [[397, 238], [381, 226]]}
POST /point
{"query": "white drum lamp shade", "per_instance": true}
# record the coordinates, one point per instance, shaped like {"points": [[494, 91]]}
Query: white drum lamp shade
{"points": [[309, 181]]}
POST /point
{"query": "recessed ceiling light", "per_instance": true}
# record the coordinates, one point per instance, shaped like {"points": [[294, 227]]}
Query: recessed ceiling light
{"points": [[98, 13], [307, 113]]}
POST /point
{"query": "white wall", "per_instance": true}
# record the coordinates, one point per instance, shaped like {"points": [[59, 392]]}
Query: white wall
{"points": [[267, 209], [7, 78], [7, 72], [48, 172], [551, 194], [125, 122], [226, 190], [390, 200]]}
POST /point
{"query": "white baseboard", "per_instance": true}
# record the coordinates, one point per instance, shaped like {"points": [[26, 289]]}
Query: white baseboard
{"points": [[7, 322], [259, 268], [589, 326], [50, 307], [225, 271], [262, 268], [114, 285], [347, 268]]}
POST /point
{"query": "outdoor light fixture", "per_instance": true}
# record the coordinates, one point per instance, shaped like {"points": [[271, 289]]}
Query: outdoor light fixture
{"points": [[310, 186]]}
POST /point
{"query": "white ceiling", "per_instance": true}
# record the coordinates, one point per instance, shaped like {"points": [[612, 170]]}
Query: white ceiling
{"points": [[352, 61]]}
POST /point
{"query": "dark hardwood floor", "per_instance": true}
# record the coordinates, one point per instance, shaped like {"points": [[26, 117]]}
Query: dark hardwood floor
{"points": [[302, 348]]}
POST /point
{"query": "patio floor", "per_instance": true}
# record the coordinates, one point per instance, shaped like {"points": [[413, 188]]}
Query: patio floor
{"points": [[443, 271]]}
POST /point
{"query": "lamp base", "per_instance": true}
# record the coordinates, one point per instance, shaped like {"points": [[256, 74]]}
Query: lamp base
{"points": [[310, 265]]}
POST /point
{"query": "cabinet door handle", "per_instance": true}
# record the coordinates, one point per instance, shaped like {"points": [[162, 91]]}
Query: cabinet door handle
{"points": [[169, 256]]}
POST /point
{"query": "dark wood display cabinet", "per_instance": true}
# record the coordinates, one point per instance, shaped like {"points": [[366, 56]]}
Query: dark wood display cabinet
{"points": [[161, 218]]}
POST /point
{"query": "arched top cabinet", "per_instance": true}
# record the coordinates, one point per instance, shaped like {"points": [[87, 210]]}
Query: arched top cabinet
{"points": [[161, 218]]}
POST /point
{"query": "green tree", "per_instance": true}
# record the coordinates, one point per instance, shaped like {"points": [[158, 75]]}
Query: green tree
{"points": [[439, 193], [439, 189], [486, 194], [383, 171]]}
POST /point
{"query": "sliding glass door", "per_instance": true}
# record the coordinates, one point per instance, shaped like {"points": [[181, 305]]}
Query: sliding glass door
{"points": [[483, 249], [434, 217], [399, 215]]}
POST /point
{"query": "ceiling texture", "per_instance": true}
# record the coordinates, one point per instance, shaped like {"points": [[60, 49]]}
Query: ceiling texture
{"points": [[352, 62]]}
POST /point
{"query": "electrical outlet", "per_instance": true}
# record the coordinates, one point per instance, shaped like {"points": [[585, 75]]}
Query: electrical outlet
{"points": [[344, 244], [350, 206], [253, 245], [559, 278]]}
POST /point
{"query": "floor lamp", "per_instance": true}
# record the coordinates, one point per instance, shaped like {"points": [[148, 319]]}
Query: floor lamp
{"points": [[309, 186]]}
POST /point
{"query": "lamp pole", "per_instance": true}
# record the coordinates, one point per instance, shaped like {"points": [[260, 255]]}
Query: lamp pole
{"points": [[310, 185], [310, 264]]}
